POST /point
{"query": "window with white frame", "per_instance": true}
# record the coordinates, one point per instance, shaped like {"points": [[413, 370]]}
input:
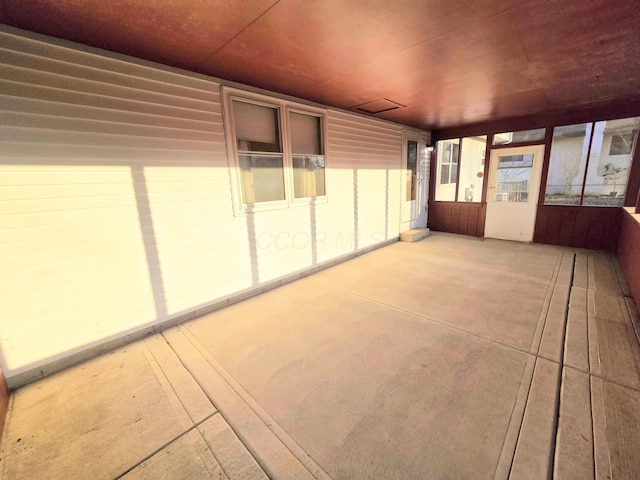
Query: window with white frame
{"points": [[279, 150], [307, 155], [460, 168], [447, 154], [449, 163], [260, 156]]}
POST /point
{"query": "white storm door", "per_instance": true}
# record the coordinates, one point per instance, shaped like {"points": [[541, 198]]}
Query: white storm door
{"points": [[412, 175], [512, 192]]}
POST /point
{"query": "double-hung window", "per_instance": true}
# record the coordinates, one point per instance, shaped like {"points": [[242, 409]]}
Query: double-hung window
{"points": [[460, 168], [279, 153], [259, 148], [449, 162]]}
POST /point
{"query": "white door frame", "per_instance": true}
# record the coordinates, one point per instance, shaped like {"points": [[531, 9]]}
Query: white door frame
{"points": [[513, 220], [413, 213]]}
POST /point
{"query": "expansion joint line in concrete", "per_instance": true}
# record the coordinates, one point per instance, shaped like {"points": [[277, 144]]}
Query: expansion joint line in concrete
{"points": [[593, 426], [211, 399], [422, 317], [536, 340], [604, 378], [169, 442], [304, 458], [155, 365], [536, 353], [554, 440], [526, 403]]}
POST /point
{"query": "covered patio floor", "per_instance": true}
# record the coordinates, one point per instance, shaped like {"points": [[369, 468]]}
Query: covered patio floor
{"points": [[449, 358]]}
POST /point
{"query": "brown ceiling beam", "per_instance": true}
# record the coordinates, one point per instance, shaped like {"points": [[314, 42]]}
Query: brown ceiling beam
{"points": [[629, 108]]}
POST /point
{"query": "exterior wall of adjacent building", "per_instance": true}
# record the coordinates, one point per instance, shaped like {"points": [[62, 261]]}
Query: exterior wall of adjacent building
{"points": [[567, 153], [116, 212], [573, 150]]}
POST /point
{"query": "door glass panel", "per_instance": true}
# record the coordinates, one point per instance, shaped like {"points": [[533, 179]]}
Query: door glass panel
{"points": [[514, 178], [472, 168], [412, 169], [516, 161]]}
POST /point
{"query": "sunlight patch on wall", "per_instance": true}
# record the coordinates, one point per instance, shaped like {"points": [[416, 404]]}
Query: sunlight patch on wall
{"points": [[202, 250], [72, 262]]}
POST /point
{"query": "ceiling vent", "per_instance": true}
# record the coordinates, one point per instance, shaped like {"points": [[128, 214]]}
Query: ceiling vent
{"points": [[377, 106]]}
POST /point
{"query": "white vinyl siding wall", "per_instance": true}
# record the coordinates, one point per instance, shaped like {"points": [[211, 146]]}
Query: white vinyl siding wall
{"points": [[364, 181], [116, 208]]}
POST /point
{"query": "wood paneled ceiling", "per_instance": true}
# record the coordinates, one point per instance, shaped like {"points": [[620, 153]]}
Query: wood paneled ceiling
{"points": [[446, 63]]}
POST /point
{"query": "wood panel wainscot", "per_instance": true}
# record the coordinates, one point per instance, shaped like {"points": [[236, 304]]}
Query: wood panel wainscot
{"points": [[457, 217], [596, 228]]}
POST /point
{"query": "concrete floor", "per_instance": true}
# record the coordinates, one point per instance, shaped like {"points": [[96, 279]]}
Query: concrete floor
{"points": [[449, 358]]}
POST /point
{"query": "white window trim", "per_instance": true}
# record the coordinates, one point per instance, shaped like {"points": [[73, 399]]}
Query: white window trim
{"points": [[323, 129], [450, 162], [284, 107]]}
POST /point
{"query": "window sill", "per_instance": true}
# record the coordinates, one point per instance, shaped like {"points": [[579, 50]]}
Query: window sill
{"points": [[301, 202], [243, 210], [278, 205], [632, 212], [579, 206]]}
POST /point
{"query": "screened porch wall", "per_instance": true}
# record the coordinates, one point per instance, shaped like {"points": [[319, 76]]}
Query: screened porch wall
{"points": [[580, 226]]}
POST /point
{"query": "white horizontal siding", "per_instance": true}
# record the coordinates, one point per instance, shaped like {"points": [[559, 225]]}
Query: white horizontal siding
{"points": [[62, 95], [114, 200], [72, 112], [367, 155], [37, 74], [84, 125], [116, 204], [78, 56]]}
